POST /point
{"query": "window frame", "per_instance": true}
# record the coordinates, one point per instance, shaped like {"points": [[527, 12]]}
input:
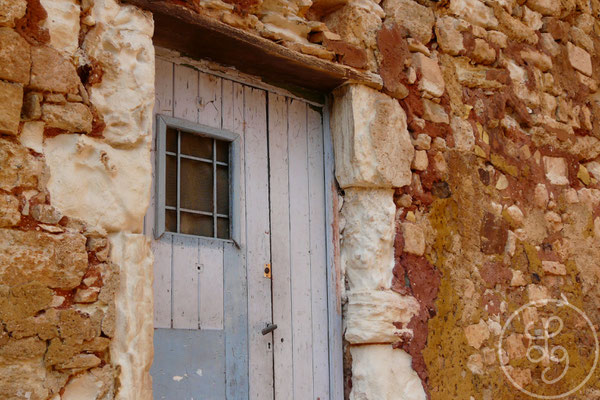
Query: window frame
{"points": [[162, 123]]}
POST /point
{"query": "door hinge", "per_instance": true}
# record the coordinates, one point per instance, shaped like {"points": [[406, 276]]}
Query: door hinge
{"points": [[267, 271]]}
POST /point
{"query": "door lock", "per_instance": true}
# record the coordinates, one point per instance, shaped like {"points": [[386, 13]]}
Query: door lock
{"points": [[270, 328], [267, 271]]}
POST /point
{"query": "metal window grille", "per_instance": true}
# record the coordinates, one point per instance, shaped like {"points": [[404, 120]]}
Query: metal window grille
{"points": [[197, 184]]}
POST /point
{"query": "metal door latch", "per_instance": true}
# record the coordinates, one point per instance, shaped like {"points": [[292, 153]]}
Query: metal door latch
{"points": [[267, 271], [270, 328]]}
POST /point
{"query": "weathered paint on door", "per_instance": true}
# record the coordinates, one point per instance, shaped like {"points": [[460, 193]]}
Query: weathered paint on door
{"points": [[212, 298]]}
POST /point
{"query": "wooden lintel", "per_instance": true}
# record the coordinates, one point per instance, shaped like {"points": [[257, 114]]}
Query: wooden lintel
{"points": [[202, 37]]}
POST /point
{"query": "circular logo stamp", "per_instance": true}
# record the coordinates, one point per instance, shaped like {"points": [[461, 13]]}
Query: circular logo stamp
{"points": [[540, 343]]}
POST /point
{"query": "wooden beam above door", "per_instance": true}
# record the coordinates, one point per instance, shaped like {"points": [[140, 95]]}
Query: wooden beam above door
{"points": [[202, 37]]}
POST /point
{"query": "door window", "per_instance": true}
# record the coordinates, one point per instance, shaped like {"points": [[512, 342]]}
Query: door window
{"points": [[195, 187]]}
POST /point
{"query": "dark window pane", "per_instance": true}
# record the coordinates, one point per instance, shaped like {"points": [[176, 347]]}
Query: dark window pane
{"points": [[171, 181], [223, 228], [194, 224], [222, 151], [196, 185], [222, 190], [197, 146], [172, 140], [170, 221]]}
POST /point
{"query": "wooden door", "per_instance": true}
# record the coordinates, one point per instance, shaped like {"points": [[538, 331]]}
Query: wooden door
{"points": [[214, 297]]}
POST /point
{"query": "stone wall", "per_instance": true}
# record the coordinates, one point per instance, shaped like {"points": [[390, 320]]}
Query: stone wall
{"points": [[468, 184], [493, 203], [76, 96], [468, 188]]}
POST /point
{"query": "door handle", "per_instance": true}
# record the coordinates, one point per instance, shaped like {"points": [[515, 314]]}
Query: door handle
{"points": [[270, 328]]}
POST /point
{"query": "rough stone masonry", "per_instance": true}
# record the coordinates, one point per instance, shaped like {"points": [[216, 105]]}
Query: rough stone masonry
{"points": [[469, 186], [76, 97]]}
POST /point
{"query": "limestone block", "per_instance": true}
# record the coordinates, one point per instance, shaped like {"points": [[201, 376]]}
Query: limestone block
{"points": [[545, 7], [417, 19], [51, 72], [540, 196], [483, 53], [9, 210], [121, 42], [32, 106], [474, 11], [10, 10], [414, 238], [462, 132], [131, 349], [557, 171], [449, 38], [434, 112], [498, 38], [15, 56], [383, 373], [367, 250], [514, 215], [371, 316], [63, 24], [18, 167], [579, 59], [32, 135], [371, 141], [30, 374], [84, 386], [549, 44], [477, 334], [532, 19], [593, 168], [11, 101], [357, 23], [474, 76], [112, 185], [45, 213], [420, 162], [72, 117], [554, 268], [280, 27], [56, 261], [537, 292], [432, 81]]}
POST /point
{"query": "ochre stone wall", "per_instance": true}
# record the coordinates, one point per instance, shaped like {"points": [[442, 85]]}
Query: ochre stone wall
{"points": [[76, 95], [468, 188], [469, 184]]}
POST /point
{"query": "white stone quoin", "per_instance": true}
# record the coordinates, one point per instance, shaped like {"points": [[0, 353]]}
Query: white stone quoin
{"points": [[371, 142], [373, 155]]}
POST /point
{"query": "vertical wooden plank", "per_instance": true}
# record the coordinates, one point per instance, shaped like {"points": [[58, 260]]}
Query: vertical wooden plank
{"points": [[161, 248], [210, 262], [280, 247], [318, 256], [209, 100], [234, 261], [210, 254], [163, 87], [233, 120], [163, 104], [162, 251], [185, 249], [334, 281], [257, 249], [235, 323], [299, 250], [233, 107], [185, 103], [185, 282]]}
